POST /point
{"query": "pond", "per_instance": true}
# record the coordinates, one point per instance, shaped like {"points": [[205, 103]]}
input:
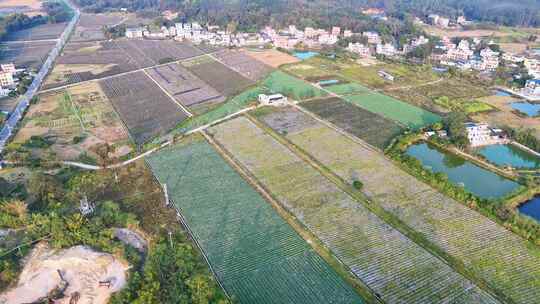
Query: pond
{"points": [[502, 93], [509, 155], [473, 178], [530, 109], [531, 208], [305, 55]]}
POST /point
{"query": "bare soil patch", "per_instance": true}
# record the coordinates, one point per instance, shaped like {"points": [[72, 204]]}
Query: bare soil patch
{"points": [[272, 57]]}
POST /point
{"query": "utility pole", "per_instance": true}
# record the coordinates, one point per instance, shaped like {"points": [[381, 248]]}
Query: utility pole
{"points": [[166, 194]]}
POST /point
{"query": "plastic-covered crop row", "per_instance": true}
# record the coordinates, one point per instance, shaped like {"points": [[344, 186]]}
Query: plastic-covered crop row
{"points": [[503, 259], [393, 266], [255, 254]]}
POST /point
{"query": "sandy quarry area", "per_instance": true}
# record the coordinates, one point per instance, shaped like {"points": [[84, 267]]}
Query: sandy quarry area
{"points": [[82, 269]]}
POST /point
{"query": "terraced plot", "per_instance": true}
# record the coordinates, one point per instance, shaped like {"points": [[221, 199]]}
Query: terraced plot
{"points": [[255, 254], [404, 113], [389, 263], [374, 129], [222, 78], [285, 84], [244, 64], [145, 109], [504, 260]]}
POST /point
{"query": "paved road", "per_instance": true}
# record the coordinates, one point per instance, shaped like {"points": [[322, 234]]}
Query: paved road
{"points": [[24, 101]]}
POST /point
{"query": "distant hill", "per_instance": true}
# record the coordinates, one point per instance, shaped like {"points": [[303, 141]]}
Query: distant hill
{"points": [[321, 12]]}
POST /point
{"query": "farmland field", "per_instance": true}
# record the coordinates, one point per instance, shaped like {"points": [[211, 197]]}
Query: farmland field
{"points": [[83, 61], [372, 128], [222, 78], [506, 262], [404, 113], [255, 254], [244, 64], [74, 122], [25, 54], [279, 82], [394, 267], [90, 26], [39, 32], [145, 109], [186, 88], [348, 89], [272, 57], [28, 7]]}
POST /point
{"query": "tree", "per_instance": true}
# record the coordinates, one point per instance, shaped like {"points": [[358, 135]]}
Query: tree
{"points": [[455, 125]]}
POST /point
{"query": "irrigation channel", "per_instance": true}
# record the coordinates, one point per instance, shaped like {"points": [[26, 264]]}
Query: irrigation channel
{"points": [[24, 102]]}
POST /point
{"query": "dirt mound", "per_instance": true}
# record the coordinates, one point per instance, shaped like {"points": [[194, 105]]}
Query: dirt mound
{"points": [[78, 271]]}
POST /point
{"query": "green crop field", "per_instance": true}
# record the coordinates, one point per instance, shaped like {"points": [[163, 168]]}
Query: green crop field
{"points": [[348, 89], [255, 254], [389, 263], [280, 82], [504, 260], [404, 113]]}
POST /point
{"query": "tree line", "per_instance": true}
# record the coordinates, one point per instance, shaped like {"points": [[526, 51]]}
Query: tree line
{"points": [[256, 13]]}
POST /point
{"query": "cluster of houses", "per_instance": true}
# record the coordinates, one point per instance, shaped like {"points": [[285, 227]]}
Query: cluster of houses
{"points": [[375, 46], [464, 57], [309, 37], [198, 34], [7, 78]]}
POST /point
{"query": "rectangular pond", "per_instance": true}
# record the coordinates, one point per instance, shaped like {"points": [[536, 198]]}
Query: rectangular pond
{"points": [[305, 54], [509, 155], [530, 109], [531, 208], [473, 178]]}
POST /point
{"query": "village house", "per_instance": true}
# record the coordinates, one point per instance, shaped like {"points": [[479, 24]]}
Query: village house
{"points": [[372, 37], [532, 87], [360, 49], [136, 32], [386, 49], [480, 134], [490, 58], [336, 31], [533, 66], [273, 100]]}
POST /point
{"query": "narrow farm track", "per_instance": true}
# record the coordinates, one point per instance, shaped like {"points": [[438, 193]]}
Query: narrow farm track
{"points": [[394, 267]]}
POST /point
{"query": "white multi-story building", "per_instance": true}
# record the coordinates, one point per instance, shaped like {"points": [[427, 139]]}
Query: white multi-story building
{"points": [[372, 37], [309, 32], [511, 57], [479, 134], [532, 87], [360, 49], [336, 31], [533, 66], [6, 79], [136, 32], [490, 58], [386, 49], [347, 33]]}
